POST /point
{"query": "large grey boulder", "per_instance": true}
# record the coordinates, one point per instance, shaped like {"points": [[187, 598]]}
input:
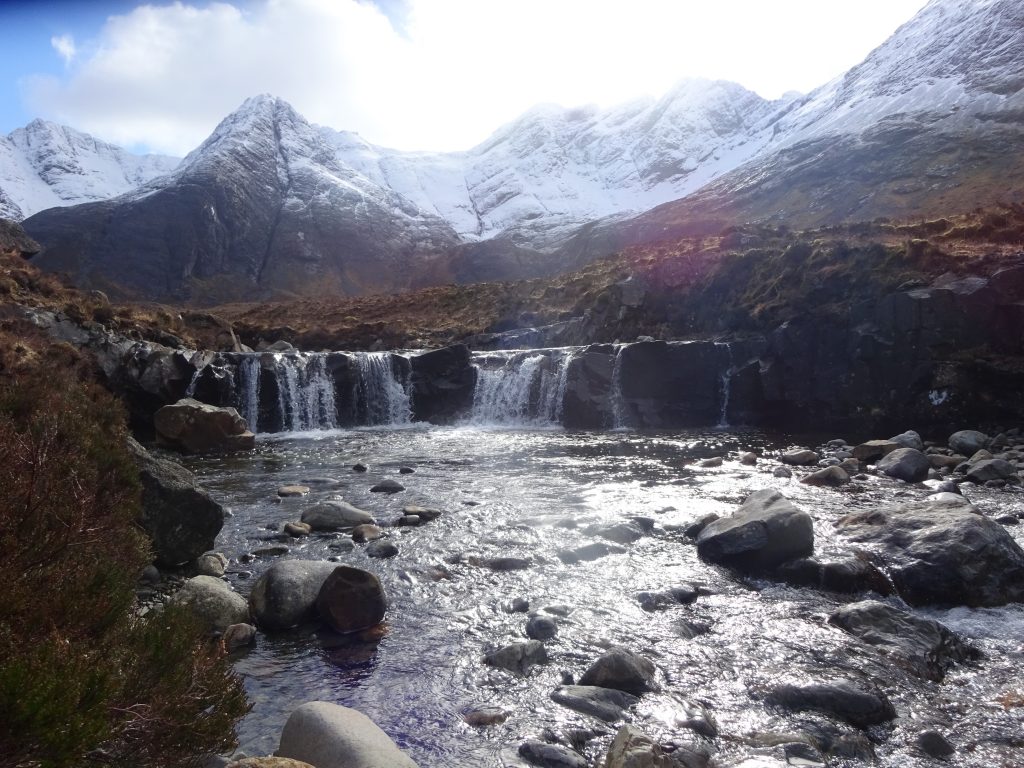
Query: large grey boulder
{"points": [[332, 736], [941, 551], [766, 531], [909, 439], [351, 599], [334, 516], [213, 602], [968, 441], [907, 464], [196, 427], [285, 596], [180, 518], [925, 647]]}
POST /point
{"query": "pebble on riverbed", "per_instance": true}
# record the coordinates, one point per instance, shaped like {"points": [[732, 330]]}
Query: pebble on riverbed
{"points": [[291, 491]]}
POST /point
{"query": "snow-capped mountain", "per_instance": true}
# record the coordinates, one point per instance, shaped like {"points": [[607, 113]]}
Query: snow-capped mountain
{"points": [[931, 121], [263, 207], [44, 165], [556, 168]]}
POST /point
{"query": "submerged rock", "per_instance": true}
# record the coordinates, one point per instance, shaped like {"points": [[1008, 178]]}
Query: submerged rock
{"points": [[603, 703], [545, 755], [634, 749], [332, 736], [766, 531], [335, 516], [351, 600], [387, 486], [518, 658], [841, 699], [941, 552], [924, 646]]}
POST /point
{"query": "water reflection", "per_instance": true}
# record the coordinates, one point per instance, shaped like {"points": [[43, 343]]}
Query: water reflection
{"points": [[533, 495]]}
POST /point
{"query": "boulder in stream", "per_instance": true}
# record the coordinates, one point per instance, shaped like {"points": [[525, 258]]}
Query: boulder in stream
{"points": [[332, 736], [194, 427]]}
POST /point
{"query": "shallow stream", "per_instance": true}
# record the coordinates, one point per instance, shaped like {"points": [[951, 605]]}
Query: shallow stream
{"points": [[534, 494]]}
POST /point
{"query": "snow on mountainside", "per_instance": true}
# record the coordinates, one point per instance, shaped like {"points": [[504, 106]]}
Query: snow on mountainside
{"points": [[44, 165], [554, 168]]}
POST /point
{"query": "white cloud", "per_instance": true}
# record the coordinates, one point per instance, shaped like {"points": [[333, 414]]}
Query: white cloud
{"points": [[64, 45], [163, 76]]}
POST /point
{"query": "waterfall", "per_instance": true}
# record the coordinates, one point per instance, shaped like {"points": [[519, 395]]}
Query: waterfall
{"points": [[524, 389], [726, 383], [249, 397], [381, 397], [305, 391], [618, 402]]}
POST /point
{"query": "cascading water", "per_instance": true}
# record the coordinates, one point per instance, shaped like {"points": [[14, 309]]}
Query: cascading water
{"points": [[382, 398], [723, 416], [249, 396], [618, 403], [305, 391], [525, 389]]}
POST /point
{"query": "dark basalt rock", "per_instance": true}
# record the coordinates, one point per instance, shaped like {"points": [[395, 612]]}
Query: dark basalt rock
{"points": [[442, 384], [841, 699], [766, 531], [941, 552]]}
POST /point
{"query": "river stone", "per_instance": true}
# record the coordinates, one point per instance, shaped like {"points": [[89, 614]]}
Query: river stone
{"points": [[766, 531], [924, 646], [783, 472], [334, 516], [621, 533], [297, 530], [507, 563], [268, 762], [285, 595], [211, 564], [213, 602], [366, 532], [748, 459], [941, 552], [381, 548], [714, 461], [941, 461], [589, 552], [196, 427], [180, 518], [801, 457], [968, 441], [991, 469], [292, 491], [238, 636], [518, 658], [934, 744], [830, 477], [840, 699], [481, 717], [387, 486], [426, 514], [905, 464], [873, 450], [332, 736], [634, 749], [545, 755], [603, 703], [351, 600], [541, 628], [622, 670], [909, 439]]}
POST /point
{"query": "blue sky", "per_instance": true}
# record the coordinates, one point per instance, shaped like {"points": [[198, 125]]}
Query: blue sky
{"points": [[409, 74]]}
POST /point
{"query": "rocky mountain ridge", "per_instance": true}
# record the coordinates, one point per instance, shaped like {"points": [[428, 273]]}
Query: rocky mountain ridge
{"points": [[272, 206], [44, 165]]}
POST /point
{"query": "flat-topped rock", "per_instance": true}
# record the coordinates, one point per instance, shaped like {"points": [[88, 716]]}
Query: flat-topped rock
{"points": [[194, 427], [766, 531]]}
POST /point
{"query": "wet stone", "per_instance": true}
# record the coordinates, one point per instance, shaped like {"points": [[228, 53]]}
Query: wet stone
{"points": [[381, 548], [541, 628], [546, 755], [482, 717], [291, 491], [387, 486], [603, 703], [518, 658]]}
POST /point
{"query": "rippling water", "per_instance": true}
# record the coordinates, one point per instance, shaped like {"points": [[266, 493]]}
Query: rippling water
{"points": [[532, 494]]}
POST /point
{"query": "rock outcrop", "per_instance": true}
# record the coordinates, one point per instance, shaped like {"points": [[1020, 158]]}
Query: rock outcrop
{"points": [[196, 427]]}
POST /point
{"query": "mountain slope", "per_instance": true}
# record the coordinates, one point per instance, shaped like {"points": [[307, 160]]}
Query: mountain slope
{"points": [[932, 121], [251, 212], [44, 165]]}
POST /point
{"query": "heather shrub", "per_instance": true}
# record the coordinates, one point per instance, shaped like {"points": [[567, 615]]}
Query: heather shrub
{"points": [[80, 674]]}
